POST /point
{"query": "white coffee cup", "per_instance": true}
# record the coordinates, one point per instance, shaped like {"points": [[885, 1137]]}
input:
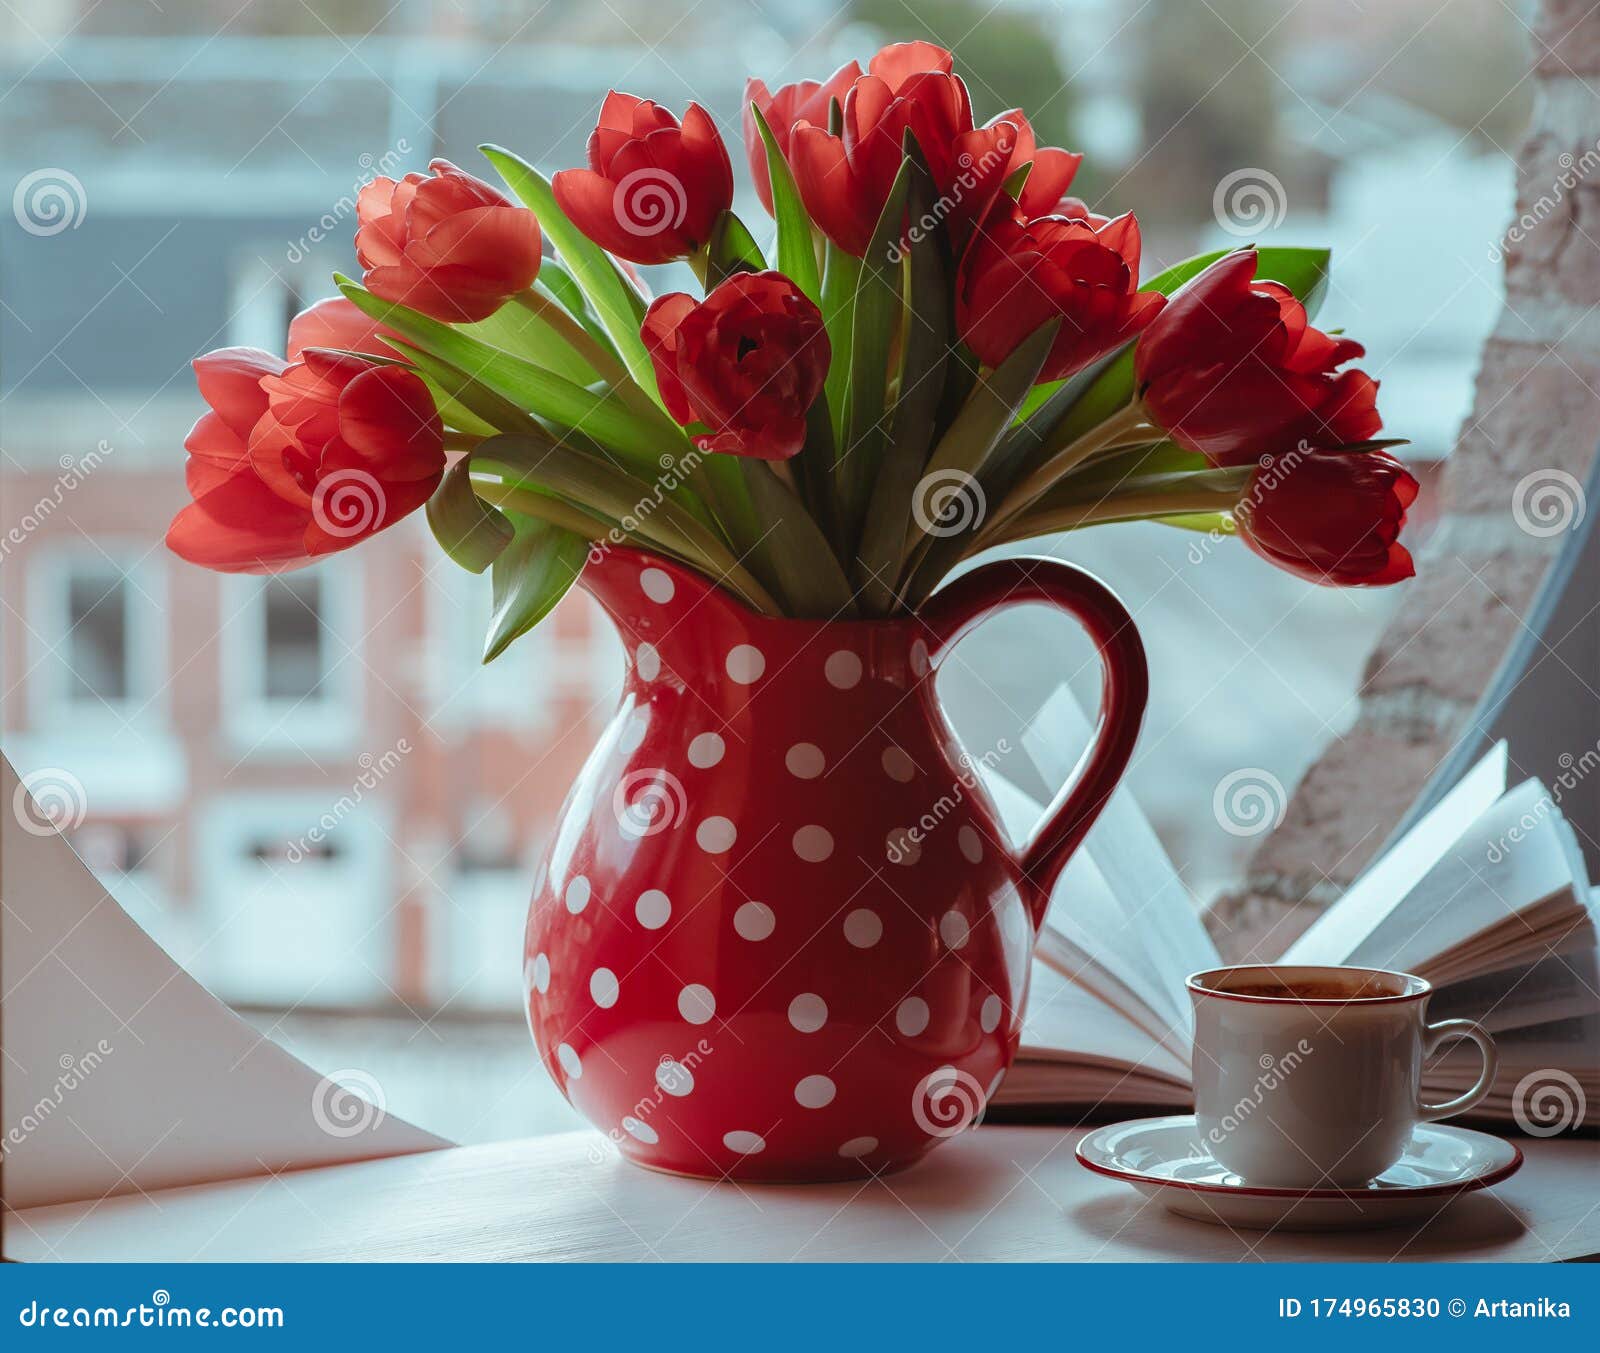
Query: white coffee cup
{"points": [[1307, 1077]]}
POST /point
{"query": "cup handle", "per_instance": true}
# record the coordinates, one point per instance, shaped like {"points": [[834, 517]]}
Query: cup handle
{"points": [[1434, 1036], [972, 598]]}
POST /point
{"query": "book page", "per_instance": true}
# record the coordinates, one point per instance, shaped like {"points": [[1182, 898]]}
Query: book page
{"points": [[121, 1072], [1335, 936], [1158, 909]]}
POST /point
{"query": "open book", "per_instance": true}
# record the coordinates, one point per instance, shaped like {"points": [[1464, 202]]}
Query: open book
{"points": [[1486, 896]]}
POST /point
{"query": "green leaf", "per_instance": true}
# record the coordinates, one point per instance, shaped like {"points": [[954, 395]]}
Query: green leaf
{"points": [[797, 254], [530, 576], [922, 381], [494, 411], [1303, 271], [520, 332], [601, 416], [841, 273], [469, 530], [875, 319], [615, 300], [601, 488], [558, 282], [1206, 523], [732, 248], [963, 457], [804, 572]]}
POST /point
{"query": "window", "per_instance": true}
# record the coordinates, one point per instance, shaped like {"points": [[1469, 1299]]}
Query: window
{"points": [[98, 630], [289, 680]]}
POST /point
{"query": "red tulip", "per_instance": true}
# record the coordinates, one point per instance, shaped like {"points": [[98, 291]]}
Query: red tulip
{"points": [[845, 180], [297, 460], [1232, 369], [653, 189], [450, 246], [748, 362], [803, 101], [1330, 517], [337, 323], [1052, 173], [1017, 276]]}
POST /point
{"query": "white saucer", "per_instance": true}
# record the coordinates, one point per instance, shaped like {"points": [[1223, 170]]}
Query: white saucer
{"points": [[1162, 1158]]}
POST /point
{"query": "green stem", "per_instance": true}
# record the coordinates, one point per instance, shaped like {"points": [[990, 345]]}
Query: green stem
{"points": [[1129, 426], [545, 508], [463, 441], [1134, 506]]}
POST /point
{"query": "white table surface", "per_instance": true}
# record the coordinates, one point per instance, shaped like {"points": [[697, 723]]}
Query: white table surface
{"points": [[999, 1193]]}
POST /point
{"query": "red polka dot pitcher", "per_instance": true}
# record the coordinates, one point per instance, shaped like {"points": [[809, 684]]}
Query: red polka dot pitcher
{"points": [[779, 933]]}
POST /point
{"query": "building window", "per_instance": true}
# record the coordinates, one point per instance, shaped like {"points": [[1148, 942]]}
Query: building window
{"points": [[99, 631], [289, 682], [97, 635]]}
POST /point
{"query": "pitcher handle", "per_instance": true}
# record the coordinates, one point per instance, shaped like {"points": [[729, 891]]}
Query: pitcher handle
{"points": [[956, 610]]}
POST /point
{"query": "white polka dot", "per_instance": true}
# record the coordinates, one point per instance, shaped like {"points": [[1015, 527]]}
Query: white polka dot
{"points": [[953, 929], [815, 1092], [919, 658], [577, 894], [652, 909], [989, 1015], [857, 1147], [901, 847], [696, 1003], [808, 1012], [569, 1062], [754, 921], [541, 973], [674, 1077], [658, 586], [633, 731], [804, 761], [813, 844], [715, 835], [745, 1143], [843, 669], [912, 1016], [971, 844], [603, 987], [705, 750], [745, 664], [643, 1131], [897, 765], [647, 662], [863, 928]]}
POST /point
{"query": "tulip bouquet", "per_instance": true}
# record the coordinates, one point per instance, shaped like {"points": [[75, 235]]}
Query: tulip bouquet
{"points": [[940, 352]]}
